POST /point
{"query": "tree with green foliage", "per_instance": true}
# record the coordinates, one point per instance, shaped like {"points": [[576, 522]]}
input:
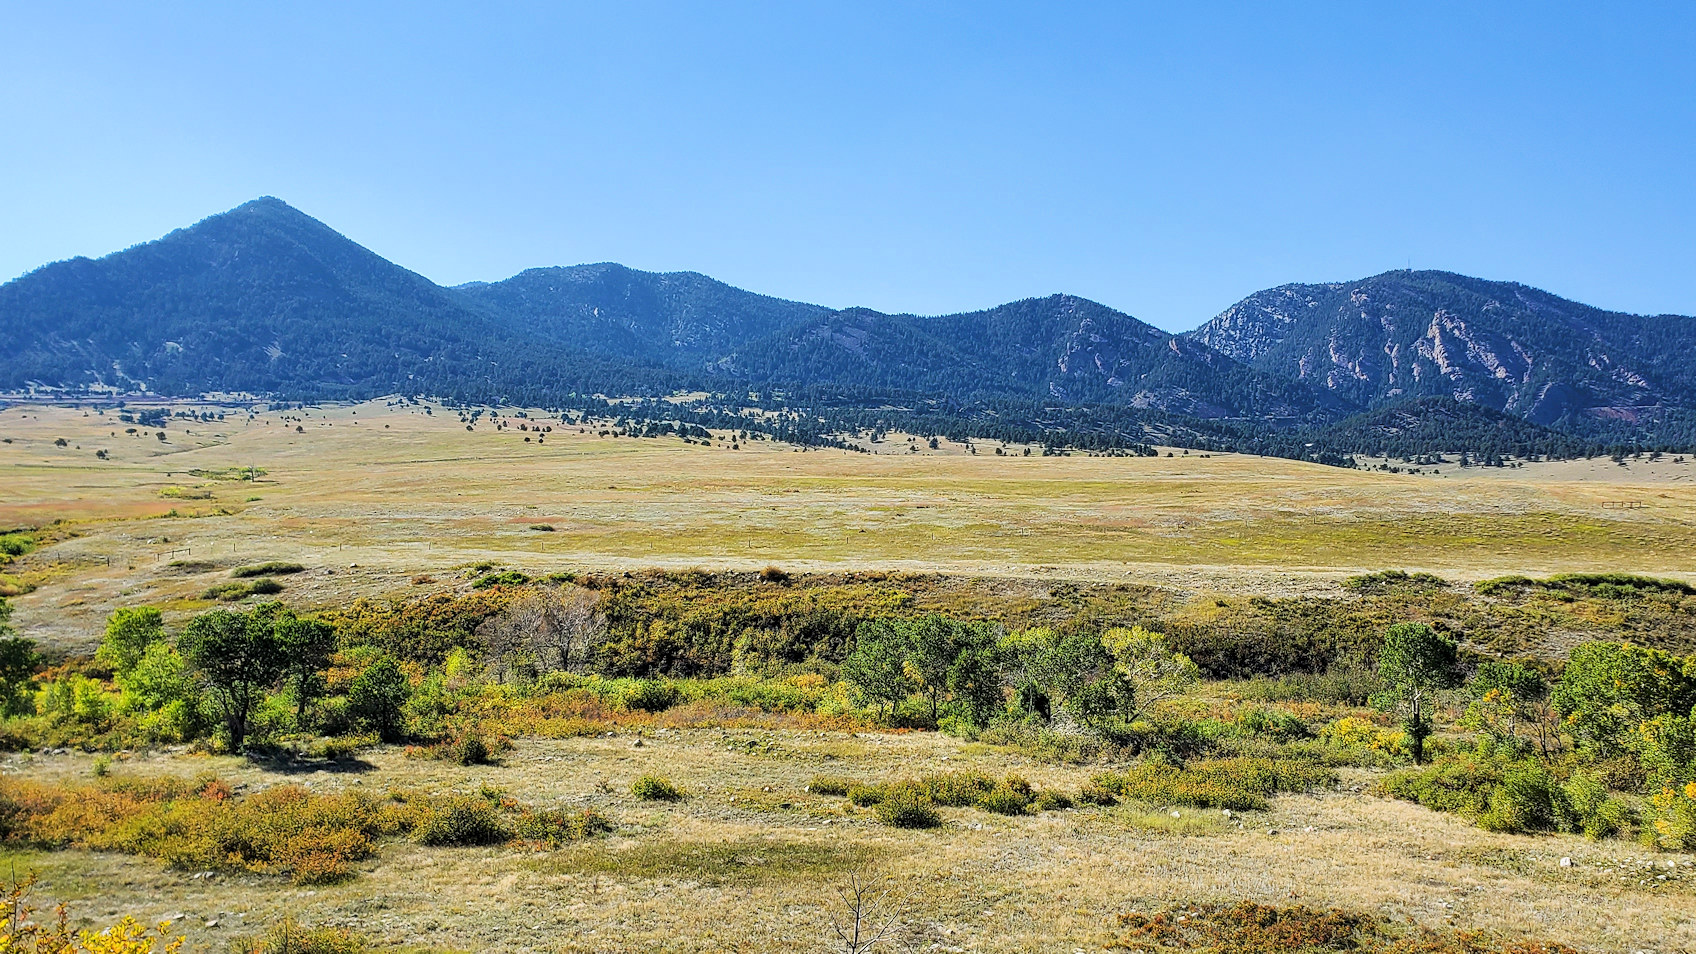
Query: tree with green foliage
{"points": [[933, 655], [18, 662], [950, 658], [878, 664], [238, 658], [130, 630], [974, 677], [161, 686], [306, 645], [1510, 703], [1414, 665], [1151, 670], [1609, 689], [377, 697], [1066, 676]]}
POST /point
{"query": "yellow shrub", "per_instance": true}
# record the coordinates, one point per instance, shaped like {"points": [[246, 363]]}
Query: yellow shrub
{"points": [[1355, 732]]}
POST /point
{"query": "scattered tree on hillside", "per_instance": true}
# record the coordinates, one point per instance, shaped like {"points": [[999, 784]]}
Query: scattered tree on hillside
{"points": [[1414, 665], [377, 697], [239, 658], [18, 661], [129, 632]]}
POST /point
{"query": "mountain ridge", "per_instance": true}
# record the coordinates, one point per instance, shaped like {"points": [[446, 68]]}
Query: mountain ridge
{"points": [[265, 299], [1508, 346]]}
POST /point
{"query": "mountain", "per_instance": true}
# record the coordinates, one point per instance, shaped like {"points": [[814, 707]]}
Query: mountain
{"points": [[1059, 349], [266, 300], [682, 319], [1502, 345]]}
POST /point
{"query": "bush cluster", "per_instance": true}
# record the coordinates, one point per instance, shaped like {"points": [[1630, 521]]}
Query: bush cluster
{"points": [[1011, 795], [829, 785], [202, 824], [655, 788], [1505, 792], [1250, 928], [274, 568], [1235, 783]]}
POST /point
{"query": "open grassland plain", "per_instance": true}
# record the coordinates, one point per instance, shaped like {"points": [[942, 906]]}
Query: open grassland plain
{"points": [[370, 496], [1039, 702], [749, 858]]}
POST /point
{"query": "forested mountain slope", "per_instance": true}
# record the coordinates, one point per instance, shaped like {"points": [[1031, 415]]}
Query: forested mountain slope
{"points": [[268, 301]]}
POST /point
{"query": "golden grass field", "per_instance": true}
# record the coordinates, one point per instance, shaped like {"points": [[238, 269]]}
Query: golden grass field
{"points": [[749, 860], [378, 494], [371, 496]]}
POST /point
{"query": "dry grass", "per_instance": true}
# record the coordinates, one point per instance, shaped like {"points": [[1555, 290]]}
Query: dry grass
{"points": [[368, 498], [377, 495], [746, 862]]}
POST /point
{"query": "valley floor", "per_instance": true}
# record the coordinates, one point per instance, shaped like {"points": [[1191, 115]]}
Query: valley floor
{"points": [[371, 496], [749, 861]]}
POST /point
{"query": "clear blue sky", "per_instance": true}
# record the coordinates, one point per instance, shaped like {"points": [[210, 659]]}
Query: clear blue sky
{"points": [[1166, 159]]}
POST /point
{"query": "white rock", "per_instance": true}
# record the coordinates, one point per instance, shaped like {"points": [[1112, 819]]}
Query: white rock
{"points": [[1566, 862]]}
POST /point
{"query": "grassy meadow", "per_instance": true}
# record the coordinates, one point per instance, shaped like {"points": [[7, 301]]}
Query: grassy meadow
{"points": [[379, 495], [1036, 702]]}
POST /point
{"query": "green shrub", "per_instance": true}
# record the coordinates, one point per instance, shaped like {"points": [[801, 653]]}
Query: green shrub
{"points": [[555, 827], [649, 695], [1386, 580], [655, 788], [462, 820], [1049, 800], [1526, 799], [905, 806], [865, 796], [1238, 783], [1275, 724], [1502, 793], [955, 789], [264, 587], [1004, 799], [14, 545], [267, 569], [469, 749], [228, 592], [1672, 819], [289, 937], [1595, 811], [1094, 793], [829, 785], [504, 578]]}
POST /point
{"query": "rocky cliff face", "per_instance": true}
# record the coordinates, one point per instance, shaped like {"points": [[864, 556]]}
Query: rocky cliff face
{"points": [[1512, 348]]}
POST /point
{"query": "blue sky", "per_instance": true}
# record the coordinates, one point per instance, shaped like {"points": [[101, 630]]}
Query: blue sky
{"points": [[1166, 159]]}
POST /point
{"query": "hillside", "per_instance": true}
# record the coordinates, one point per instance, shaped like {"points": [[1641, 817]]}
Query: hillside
{"points": [[682, 319], [1505, 346], [1057, 349], [1439, 425], [268, 301]]}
